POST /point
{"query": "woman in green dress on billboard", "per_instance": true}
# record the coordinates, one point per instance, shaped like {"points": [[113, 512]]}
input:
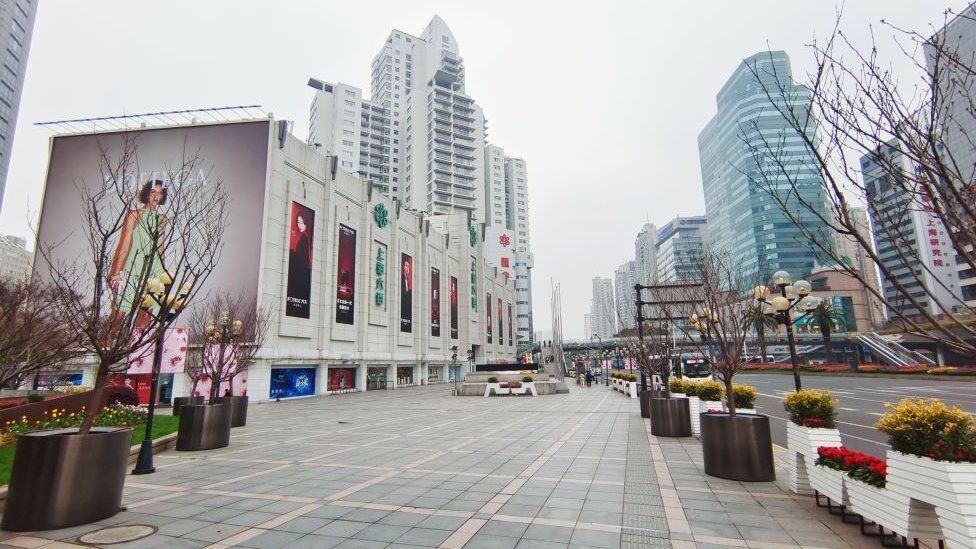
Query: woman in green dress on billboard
{"points": [[140, 248]]}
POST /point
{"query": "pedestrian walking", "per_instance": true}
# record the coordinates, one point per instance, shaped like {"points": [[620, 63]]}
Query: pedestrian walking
{"points": [[589, 378]]}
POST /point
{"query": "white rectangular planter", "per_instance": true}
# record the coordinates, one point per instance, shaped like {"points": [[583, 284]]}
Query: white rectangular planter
{"points": [[891, 510], [949, 487], [803, 443], [631, 387], [694, 408], [750, 411], [829, 482]]}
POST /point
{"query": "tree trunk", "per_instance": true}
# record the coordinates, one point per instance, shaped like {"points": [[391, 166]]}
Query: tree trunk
{"points": [[828, 348], [730, 396], [95, 402]]}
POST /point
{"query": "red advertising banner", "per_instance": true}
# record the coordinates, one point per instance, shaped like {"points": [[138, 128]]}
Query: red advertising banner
{"points": [[406, 293], [488, 313], [298, 296], [454, 307], [501, 329], [346, 276], [435, 302]]}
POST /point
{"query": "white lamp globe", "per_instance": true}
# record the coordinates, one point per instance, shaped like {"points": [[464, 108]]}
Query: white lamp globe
{"points": [[791, 292], [780, 303], [803, 287], [781, 278], [761, 292]]}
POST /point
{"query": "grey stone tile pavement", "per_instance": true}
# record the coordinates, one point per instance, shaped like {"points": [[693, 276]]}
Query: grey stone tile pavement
{"points": [[417, 467]]}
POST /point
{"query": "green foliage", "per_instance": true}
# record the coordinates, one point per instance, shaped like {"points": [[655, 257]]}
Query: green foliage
{"points": [[677, 385], [929, 428], [745, 395], [493, 379], [35, 397], [812, 408], [710, 390], [527, 379]]}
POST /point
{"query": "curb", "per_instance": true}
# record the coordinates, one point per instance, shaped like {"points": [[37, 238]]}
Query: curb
{"points": [[927, 377]]}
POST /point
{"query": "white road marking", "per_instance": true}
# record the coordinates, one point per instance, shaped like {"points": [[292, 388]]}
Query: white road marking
{"points": [[875, 414], [847, 409]]}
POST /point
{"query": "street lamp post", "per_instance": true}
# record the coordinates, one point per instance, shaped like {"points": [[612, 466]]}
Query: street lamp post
{"points": [[791, 295], [167, 308]]}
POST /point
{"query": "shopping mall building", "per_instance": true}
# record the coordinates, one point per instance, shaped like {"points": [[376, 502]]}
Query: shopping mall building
{"points": [[363, 294]]}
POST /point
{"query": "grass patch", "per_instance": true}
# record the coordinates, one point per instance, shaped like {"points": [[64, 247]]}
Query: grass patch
{"points": [[162, 425]]}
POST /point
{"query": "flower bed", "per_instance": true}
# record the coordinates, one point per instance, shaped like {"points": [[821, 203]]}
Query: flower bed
{"points": [[858, 465], [113, 416]]}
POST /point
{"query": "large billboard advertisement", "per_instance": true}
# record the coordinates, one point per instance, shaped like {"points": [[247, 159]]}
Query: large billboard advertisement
{"points": [[299, 292], [292, 382], [488, 315], [435, 302], [406, 293], [454, 307], [141, 170], [346, 276]]}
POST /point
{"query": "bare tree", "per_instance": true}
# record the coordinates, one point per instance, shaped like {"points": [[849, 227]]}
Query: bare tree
{"points": [[33, 336], [873, 139], [715, 307], [150, 247], [225, 334]]}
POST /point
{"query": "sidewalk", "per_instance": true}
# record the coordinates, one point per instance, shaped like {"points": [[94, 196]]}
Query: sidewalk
{"points": [[419, 468]]}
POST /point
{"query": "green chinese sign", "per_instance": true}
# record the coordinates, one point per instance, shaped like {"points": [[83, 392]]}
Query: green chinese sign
{"points": [[380, 274], [473, 235], [381, 216]]}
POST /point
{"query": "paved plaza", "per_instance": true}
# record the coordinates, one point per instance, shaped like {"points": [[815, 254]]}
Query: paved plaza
{"points": [[417, 467]]}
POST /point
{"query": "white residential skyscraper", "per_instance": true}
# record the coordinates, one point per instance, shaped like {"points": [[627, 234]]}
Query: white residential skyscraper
{"points": [[438, 130], [602, 310], [623, 282], [679, 248], [645, 255], [17, 22]]}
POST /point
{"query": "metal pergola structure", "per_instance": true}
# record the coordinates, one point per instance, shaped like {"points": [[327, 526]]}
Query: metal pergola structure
{"points": [[235, 113]]}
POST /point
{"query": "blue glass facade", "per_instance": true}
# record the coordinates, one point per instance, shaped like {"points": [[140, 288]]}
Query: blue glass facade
{"points": [[744, 220]]}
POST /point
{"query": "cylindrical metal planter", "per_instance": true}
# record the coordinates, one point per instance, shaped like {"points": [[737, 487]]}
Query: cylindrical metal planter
{"points": [[180, 402], [670, 417], [203, 427], [61, 479], [645, 405], [737, 448], [238, 409]]}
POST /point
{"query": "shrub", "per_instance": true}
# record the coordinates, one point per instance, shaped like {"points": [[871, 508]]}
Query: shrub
{"points": [[677, 385], [811, 408], [710, 390], [870, 368], [945, 370], [929, 428], [527, 379], [120, 394], [859, 466], [493, 379], [35, 397], [745, 395], [692, 388]]}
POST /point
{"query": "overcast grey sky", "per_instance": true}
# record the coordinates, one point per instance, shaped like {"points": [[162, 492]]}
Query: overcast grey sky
{"points": [[604, 100]]}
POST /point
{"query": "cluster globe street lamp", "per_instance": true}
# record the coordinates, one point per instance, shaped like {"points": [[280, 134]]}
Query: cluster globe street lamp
{"points": [[792, 295], [158, 302], [224, 331]]}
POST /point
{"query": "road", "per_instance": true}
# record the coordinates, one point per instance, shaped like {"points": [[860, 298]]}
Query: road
{"points": [[861, 402]]}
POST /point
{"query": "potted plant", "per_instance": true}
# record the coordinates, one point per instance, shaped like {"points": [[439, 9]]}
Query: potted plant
{"points": [[118, 292], [813, 415], [670, 417], [932, 463], [716, 321], [225, 334]]}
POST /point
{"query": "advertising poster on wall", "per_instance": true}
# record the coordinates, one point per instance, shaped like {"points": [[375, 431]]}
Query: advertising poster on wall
{"points": [[488, 315], [501, 327], [299, 292], [511, 340], [232, 155], [454, 307], [435, 302], [346, 276], [292, 382], [341, 379], [406, 293]]}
